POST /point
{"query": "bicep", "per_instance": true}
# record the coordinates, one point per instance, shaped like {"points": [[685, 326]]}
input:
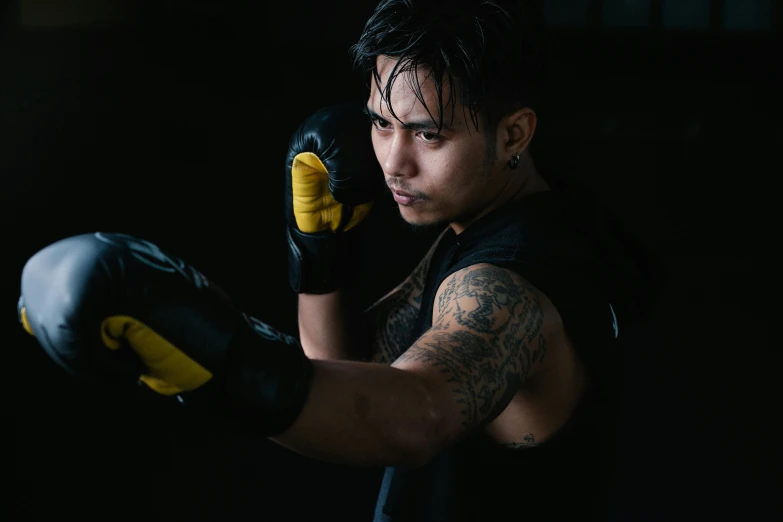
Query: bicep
{"points": [[488, 336]]}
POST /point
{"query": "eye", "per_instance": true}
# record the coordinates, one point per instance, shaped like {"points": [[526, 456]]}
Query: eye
{"points": [[380, 124], [430, 137]]}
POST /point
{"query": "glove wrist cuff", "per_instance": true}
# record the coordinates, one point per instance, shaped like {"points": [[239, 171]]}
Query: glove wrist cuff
{"points": [[268, 378], [313, 262]]}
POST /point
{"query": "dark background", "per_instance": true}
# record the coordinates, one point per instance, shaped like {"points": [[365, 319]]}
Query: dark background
{"points": [[170, 121]]}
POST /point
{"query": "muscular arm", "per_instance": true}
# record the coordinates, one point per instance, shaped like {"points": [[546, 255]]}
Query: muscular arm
{"points": [[488, 336], [332, 326]]}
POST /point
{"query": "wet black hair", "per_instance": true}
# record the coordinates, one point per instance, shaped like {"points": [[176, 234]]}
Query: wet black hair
{"points": [[490, 50]]}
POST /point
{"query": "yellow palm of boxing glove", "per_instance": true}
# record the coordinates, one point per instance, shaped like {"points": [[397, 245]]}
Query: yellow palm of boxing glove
{"points": [[315, 209], [169, 371]]}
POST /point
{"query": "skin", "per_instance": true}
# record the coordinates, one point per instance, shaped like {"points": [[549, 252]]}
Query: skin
{"points": [[447, 171], [496, 358]]}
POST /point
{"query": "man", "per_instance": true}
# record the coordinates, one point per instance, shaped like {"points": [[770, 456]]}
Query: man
{"points": [[485, 383], [508, 320]]}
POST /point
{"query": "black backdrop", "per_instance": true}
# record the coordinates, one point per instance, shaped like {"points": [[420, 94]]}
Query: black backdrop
{"points": [[173, 125]]}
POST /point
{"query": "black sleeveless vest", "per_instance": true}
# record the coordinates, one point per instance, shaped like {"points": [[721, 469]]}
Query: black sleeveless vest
{"points": [[544, 238]]}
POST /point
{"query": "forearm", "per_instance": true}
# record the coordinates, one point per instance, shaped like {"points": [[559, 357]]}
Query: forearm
{"points": [[365, 414], [331, 326]]}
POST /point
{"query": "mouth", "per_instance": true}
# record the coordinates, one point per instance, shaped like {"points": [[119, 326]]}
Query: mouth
{"points": [[404, 198]]}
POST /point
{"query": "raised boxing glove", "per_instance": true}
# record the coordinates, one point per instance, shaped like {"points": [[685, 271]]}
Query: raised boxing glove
{"points": [[332, 179]]}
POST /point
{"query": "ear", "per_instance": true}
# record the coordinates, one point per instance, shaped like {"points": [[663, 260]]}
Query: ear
{"points": [[515, 131]]}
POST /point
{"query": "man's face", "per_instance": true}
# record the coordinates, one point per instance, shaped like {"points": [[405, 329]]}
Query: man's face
{"points": [[435, 177]]}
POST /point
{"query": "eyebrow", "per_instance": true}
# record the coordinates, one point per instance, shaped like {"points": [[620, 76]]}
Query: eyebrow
{"points": [[425, 125]]}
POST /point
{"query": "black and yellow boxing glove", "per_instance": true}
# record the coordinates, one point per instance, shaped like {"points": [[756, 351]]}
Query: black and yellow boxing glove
{"points": [[332, 180], [112, 304]]}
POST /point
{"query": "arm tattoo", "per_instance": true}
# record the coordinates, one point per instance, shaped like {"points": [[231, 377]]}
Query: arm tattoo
{"points": [[394, 317], [528, 442], [486, 336]]}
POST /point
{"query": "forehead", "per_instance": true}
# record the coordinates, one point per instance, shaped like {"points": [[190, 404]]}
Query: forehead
{"points": [[412, 93]]}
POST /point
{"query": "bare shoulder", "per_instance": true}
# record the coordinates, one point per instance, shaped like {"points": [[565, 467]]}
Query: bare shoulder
{"points": [[500, 305], [491, 330]]}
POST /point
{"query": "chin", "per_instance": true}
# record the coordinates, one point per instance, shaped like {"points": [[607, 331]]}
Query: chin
{"points": [[420, 222]]}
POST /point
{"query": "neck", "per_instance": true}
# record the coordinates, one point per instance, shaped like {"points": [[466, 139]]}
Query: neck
{"points": [[530, 181], [524, 181]]}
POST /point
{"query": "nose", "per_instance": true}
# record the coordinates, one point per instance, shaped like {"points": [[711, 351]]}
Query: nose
{"points": [[396, 156]]}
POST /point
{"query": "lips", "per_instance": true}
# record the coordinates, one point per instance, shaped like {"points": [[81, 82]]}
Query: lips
{"points": [[403, 194], [399, 191], [404, 198]]}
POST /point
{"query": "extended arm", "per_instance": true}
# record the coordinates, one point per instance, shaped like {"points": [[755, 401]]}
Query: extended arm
{"points": [[489, 335], [113, 304]]}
